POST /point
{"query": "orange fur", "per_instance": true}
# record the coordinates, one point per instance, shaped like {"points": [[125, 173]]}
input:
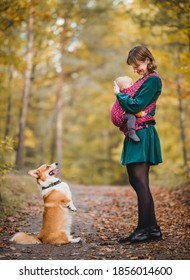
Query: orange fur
{"points": [[56, 216]]}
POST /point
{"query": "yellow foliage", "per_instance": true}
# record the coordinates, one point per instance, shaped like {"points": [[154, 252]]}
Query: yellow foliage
{"points": [[30, 141]]}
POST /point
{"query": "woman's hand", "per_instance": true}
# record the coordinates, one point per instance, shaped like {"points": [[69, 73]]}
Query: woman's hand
{"points": [[116, 88]]}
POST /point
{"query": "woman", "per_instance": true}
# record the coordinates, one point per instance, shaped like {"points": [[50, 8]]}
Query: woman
{"points": [[137, 157]]}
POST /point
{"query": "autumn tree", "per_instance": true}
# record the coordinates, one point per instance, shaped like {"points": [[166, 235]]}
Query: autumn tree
{"points": [[27, 86]]}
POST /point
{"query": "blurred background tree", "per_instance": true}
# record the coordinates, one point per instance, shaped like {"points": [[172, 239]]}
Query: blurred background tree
{"points": [[78, 48]]}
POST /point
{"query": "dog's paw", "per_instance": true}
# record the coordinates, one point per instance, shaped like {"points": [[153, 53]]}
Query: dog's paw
{"points": [[75, 240], [74, 209]]}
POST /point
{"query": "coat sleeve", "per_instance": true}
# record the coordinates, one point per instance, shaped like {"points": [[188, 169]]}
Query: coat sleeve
{"points": [[148, 93]]}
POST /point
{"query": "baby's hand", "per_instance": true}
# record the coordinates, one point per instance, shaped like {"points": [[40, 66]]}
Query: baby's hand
{"points": [[116, 88], [143, 114]]}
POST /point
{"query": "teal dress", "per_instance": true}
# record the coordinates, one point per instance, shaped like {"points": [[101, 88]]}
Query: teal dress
{"points": [[148, 149]]}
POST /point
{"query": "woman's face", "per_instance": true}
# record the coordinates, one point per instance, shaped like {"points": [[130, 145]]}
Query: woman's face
{"points": [[141, 67]]}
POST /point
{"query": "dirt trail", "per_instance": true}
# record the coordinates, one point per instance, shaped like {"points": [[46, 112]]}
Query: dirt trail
{"points": [[104, 215]]}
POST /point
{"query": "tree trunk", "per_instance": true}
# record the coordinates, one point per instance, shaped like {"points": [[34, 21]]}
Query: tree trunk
{"points": [[181, 123], [9, 104], [26, 91], [181, 115], [59, 122], [59, 117]]}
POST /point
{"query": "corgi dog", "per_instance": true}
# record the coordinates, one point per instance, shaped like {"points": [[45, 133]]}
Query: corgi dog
{"points": [[58, 204]]}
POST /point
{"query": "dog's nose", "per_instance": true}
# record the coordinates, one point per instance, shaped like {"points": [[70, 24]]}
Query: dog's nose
{"points": [[56, 163]]}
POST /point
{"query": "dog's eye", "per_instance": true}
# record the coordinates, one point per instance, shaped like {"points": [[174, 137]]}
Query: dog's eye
{"points": [[48, 166]]}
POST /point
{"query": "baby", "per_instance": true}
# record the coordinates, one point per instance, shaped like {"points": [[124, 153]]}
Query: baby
{"points": [[123, 83]]}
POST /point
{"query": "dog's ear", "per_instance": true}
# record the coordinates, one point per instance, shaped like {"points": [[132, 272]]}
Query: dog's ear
{"points": [[34, 173]]}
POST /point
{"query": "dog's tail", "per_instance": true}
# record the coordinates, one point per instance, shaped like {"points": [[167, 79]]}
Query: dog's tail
{"points": [[24, 238]]}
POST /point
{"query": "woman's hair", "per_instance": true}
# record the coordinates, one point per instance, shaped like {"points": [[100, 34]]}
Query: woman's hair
{"points": [[141, 53]]}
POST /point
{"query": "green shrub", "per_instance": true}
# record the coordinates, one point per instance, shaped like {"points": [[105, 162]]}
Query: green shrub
{"points": [[16, 191], [6, 155]]}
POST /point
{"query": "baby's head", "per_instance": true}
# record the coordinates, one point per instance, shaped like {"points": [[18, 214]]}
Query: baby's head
{"points": [[124, 82]]}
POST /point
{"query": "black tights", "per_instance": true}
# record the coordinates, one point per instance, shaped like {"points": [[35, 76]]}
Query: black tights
{"points": [[139, 179]]}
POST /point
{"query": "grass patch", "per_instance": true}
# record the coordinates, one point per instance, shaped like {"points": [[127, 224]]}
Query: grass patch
{"points": [[15, 191]]}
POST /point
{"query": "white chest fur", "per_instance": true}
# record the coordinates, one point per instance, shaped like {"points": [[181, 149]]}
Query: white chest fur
{"points": [[62, 187]]}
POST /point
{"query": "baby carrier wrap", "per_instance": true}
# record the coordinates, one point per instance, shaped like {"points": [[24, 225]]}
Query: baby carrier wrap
{"points": [[117, 113]]}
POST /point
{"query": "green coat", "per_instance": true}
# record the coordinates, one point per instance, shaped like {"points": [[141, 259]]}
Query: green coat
{"points": [[148, 149]]}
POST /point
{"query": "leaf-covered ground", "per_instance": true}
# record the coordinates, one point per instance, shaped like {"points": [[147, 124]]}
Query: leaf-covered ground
{"points": [[104, 215]]}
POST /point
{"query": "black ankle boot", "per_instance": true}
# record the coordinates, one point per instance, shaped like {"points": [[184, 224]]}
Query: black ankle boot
{"points": [[155, 233], [139, 235], [143, 235], [125, 239]]}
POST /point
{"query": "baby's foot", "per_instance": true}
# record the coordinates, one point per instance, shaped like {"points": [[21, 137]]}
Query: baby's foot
{"points": [[133, 135]]}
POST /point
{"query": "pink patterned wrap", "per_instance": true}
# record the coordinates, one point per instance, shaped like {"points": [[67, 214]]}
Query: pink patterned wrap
{"points": [[117, 113]]}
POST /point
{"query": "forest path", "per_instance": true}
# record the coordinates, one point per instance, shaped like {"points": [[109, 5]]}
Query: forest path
{"points": [[104, 215]]}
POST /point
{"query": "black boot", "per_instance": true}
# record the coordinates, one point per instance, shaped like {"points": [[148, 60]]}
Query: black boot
{"points": [[143, 235], [155, 233], [139, 235]]}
